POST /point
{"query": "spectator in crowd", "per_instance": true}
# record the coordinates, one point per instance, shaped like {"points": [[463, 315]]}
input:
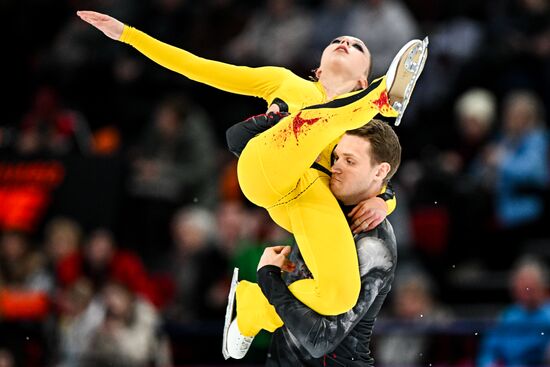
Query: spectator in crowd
{"points": [[283, 25], [521, 336], [130, 334], [62, 237], [24, 299], [80, 313], [331, 18], [49, 128], [216, 23], [101, 261], [457, 43], [475, 113], [520, 46], [231, 218], [370, 22], [173, 164], [516, 165], [470, 202], [413, 302], [198, 267], [260, 231], [67, 61], [24, 282]]}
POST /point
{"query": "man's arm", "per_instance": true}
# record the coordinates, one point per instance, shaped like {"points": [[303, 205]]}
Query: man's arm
{"points": [[321, 334], [240, 134]]}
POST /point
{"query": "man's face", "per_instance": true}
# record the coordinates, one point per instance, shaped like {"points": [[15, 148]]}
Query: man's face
{"points": [[354, 176]]}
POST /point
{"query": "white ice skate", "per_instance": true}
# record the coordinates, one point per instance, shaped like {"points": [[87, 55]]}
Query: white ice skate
{"points": [[235, 345], [403, 73]]}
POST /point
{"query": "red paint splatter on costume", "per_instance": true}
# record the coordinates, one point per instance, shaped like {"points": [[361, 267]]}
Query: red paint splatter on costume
{"points": [[298, 122], [383, 101], [280, 137]]}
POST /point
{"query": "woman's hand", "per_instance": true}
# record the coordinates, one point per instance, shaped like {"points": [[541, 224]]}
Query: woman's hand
{"points": [[368, 214], [110, 26]]}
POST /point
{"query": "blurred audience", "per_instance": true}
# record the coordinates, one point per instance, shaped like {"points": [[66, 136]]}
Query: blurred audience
{"points": [[475, 114], [473, 184], [101, 261], [370, 21], [24, 282], [130, 334], [62, 238], [48, 128], [197, 266], [258, 232], [173, 164], [276, 34], [413, 302], [515, 167], [330, 21], [233, 228], [520, 46], [79, 314], [471, 202], [453, 65], [521, 336], [175, 160], [520, 157]]}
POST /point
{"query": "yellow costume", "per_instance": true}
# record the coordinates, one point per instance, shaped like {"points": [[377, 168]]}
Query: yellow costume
{"points": [[274, 172]]}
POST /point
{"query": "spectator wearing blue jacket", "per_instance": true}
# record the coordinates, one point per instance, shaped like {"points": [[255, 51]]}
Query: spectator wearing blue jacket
{"points": [[521, 336]]}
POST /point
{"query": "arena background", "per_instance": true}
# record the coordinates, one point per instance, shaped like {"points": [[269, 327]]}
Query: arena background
{"points": [[121, 216]]}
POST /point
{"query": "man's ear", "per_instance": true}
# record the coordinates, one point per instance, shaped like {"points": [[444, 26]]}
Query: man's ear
{"points": [[318, 72], [362, 83], [383, 170]]}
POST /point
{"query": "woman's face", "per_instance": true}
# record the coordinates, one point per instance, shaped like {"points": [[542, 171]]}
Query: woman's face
{"points": [[348, 56]]}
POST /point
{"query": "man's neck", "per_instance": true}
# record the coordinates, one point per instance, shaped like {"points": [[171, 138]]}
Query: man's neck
{"points": [[368, 194], [373, 192]]}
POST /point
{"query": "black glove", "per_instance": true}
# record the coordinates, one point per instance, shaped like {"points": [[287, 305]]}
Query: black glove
{"points": [[240, 134]]}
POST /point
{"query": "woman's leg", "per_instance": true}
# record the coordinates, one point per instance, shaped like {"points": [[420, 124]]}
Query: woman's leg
{"points": [[254, 312], [327, 247], [272, 163]]}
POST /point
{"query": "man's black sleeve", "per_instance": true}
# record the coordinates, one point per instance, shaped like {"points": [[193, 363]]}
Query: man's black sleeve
{"points": [[238, 135], [317, 333]]}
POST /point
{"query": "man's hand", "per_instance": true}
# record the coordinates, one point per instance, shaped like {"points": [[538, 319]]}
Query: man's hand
{"points": [[110, 26], [368, 214], [277, 255]]}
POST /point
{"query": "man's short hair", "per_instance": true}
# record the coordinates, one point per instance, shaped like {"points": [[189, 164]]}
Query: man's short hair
{"points": [[385, 146]]}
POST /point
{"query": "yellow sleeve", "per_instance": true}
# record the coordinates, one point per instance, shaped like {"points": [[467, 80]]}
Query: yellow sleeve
{"points": [[392, 203], [258, 82], [388, 195]]}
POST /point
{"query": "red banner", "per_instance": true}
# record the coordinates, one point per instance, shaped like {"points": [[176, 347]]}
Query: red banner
{"points": [[25, 192]]}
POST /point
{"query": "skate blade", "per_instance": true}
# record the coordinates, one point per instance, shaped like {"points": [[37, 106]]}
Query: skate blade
{"points": [[229, 311], [413, 64]]}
